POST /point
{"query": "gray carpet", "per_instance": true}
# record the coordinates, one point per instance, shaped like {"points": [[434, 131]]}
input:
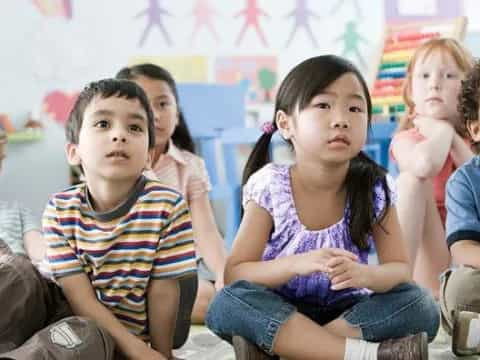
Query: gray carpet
{"points": [[204, 345]]}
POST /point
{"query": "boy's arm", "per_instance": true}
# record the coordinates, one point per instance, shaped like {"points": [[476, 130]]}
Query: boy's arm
{"points": [[466, 252], [163, 299], [462, 225], [82, 300], [175, 258]]}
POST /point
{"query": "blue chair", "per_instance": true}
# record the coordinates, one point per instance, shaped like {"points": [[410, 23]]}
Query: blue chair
{"points": [[380, 136], [210, 110], [230, 140], [374, 152]]}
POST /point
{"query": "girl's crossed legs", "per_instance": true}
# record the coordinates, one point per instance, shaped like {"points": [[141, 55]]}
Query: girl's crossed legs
{"points": [[292, 330]]}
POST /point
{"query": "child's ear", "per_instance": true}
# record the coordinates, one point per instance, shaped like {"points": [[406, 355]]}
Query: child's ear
{"points": [[71, 150], [283, 124], [473, 128]]}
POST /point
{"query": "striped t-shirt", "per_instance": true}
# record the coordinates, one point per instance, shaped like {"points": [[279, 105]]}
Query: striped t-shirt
{"points": [[147, 237], [15, 221]]}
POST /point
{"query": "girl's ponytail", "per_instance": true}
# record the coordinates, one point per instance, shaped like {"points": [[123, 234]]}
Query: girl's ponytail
{"points": [[363, 174], [260, 154]]}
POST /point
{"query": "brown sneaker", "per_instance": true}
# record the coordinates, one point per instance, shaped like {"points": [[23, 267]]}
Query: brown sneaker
{"points": [[412, 347], [466, 333], [245, 350]]}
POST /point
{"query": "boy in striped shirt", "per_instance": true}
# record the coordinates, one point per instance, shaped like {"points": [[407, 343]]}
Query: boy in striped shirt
{"points": [[118, 243]]}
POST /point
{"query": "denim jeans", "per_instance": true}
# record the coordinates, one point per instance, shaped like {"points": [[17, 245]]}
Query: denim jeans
{"points": [[256, 313]]}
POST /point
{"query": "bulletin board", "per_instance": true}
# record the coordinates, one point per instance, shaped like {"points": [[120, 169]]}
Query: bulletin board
{"points": [[400, 42]]}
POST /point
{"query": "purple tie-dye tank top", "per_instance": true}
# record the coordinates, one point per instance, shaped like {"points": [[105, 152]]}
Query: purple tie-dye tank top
{"points": [[270, 188]]}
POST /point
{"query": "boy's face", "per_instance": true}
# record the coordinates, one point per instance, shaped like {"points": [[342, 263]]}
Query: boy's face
{"points": [[113, 140]]}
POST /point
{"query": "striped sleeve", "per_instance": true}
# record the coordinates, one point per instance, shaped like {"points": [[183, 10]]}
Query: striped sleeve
{"points": [[62, 259], [175, 255]]}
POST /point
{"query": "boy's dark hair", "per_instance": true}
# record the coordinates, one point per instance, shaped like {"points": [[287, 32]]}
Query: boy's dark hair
{"points": [[107, 88], [468, 100], [181, 136], [297, 90]]}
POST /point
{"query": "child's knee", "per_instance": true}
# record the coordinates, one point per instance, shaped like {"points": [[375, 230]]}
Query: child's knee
{"points": [[461, 289], [429, 312], [421, 309], [226, 304], [69, 338], [85, 333]]}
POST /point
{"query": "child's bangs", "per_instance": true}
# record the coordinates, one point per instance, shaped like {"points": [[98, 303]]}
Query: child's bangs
{"points": [[442, 46]]}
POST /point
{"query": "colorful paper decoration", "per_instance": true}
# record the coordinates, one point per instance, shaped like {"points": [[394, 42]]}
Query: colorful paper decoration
{"points": [[54, 8], [154, 13], [204, 13], [252, 18], [182, 68], [259, 71], [301, 15], [57, 105]]}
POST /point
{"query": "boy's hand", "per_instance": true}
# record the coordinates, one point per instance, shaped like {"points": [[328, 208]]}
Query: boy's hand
{"points": [[317, 260], [347, 273]]}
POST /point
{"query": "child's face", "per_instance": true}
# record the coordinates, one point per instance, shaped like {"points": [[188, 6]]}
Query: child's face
{"points": [[113, 140], [436, 82], [333, 127], [163, 105]]}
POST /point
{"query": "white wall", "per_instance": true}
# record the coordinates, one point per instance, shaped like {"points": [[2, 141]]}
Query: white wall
{"points": [[40, 53]]}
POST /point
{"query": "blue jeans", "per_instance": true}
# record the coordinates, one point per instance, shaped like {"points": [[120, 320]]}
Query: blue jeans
{"points": [[256, 313]]}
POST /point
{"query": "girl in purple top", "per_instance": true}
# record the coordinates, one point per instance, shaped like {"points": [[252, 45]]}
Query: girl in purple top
{"points": [[300, 282]]}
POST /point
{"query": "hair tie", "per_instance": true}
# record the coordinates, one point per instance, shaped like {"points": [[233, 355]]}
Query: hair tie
{"points": [[268, 127]]}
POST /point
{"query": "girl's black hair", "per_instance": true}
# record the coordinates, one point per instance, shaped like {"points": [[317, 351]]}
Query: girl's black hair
{"points": [[300, 86], [181, 136]]}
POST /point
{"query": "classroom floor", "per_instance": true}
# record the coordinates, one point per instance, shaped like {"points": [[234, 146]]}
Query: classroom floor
{"points": [[204, 345]]}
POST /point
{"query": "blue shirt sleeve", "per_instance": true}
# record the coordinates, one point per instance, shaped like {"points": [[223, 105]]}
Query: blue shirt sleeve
{"points": [[463, 221]]}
